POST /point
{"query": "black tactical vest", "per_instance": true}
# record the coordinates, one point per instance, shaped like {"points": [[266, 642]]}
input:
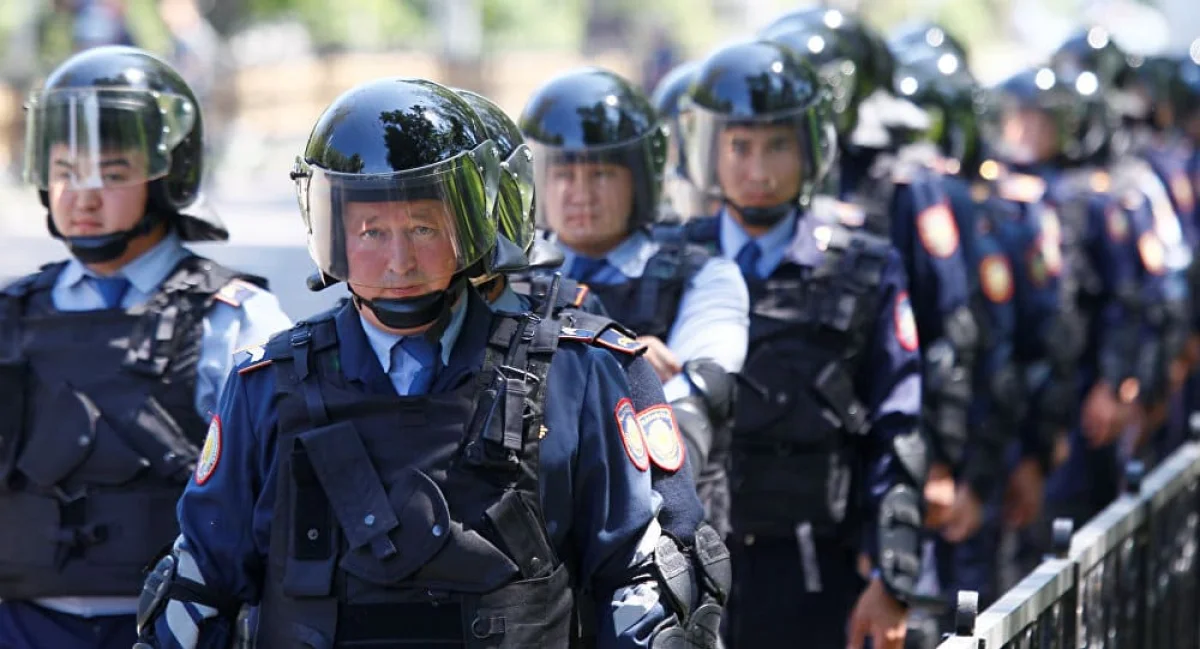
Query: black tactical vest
{"points": [[412, 521], [100, 432], [798, 416], [649, 304]]}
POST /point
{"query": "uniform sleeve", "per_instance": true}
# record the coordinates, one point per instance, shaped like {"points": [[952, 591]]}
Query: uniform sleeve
{"points": [[890, 380], [224, 513], [713, 321], [597, 495], [1112, 254], [228, 328]]}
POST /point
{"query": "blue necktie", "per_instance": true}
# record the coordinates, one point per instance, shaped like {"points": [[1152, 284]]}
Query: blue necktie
{"points": [[748, 258], [426, 354], [585, 269], [112, 289]]}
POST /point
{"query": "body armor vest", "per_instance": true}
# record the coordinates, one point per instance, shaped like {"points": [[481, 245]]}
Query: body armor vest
{"points": [[412, 521], [100, 433], [649, 304], [798, 417]]}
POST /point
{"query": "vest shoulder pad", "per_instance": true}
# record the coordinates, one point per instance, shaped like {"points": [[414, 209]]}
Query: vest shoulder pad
{"points": [[704, 231], [1021, 188], [205, 277], [43, 279], [318, 331]]}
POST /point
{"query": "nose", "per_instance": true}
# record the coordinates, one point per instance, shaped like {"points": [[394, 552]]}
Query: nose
{"points": [[757, 170], [401, 259], [85, 199]]}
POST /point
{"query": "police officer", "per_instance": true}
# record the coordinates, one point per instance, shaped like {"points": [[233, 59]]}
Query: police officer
{"points": [[112, 360], [411, 468], [1142, 178], [681, 514], [1183, 97], [1047, 126], [599, 150], [826, 449], [904, 200]]}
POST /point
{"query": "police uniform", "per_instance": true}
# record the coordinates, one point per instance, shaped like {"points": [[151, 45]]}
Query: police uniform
{"points": [[109, 380], [825, 390], [652, 281]]}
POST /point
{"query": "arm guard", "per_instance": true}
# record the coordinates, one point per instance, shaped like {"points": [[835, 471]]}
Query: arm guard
{"points": [[695, 588], [949, 363], [899, 539], [166, 587]]}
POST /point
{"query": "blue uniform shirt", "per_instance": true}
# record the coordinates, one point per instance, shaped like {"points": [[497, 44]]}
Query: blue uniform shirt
{"points": [[598, 506], [713, 319], [226, 329]]}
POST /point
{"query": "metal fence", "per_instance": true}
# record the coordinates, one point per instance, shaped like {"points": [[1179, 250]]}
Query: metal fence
{"points": [[1125, 580]]}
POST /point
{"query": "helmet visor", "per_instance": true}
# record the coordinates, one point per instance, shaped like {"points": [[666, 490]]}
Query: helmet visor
{"points": [[771, 151], [91, 138], [409, 232], [514, 206]]}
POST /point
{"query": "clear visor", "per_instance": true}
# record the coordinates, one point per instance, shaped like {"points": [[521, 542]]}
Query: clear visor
{"points": [[600, 182], [1023, 134], [515, 204], [408, 232], [91, 138], [712, 143]]}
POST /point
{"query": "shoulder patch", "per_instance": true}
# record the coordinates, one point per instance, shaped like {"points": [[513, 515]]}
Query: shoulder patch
{"points": [[995, 278], [938, 231], [236, 292], [1150, 249], [1022, 188], [1100, 182], [662, 437], [631, 434], [905, 323], [616, 340], [210, 455], [1116, 223]]}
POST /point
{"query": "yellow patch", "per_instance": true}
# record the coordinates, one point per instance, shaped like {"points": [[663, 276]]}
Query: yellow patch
{"points": [[905, 323], [631, 434], [938, 231], [1150, 249], [1022, 188], [210, 455], [995, 277], [662, 437]]}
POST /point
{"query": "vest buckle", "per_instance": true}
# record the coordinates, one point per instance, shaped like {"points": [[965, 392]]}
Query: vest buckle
{"points": [[301, 337]]}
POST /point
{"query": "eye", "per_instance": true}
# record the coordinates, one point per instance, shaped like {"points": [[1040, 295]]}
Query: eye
{"points": [[740, 147], [561, 173], [114, 178], [781, 144], [424, 231], [371, 234], [603, 174]]}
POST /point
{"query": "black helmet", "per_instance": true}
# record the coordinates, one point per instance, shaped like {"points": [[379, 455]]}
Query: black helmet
{"points": [[514, 211], [1094, 50], [850, 56], [594, 115], [1080, 116], [953, 101], [921, 39], [121, 99], [395, 168], [758, 83], [679, 196], [1151, 81]]}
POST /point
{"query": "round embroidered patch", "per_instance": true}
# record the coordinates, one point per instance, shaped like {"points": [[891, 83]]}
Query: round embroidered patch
{"points": [[662, 437], [995, 277], [938, 232], [1150, 249], [631, 434], [210, 455], [906, 324]]}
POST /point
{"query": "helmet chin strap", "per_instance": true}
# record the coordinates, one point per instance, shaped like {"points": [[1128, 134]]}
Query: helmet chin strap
{"points": [[102, 248], [764, 216], [411, 312]]}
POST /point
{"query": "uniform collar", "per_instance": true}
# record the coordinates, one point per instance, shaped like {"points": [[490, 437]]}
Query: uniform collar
{"points": [[145, 273], [734, 237], [629, 257], [382, 342], [463, 343]]}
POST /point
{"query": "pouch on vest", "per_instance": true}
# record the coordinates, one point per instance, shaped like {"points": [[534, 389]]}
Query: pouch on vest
{"points": [[14, 377]]}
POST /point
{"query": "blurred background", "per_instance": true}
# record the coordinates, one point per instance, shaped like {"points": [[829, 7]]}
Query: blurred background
{"points": [[264, 69]]}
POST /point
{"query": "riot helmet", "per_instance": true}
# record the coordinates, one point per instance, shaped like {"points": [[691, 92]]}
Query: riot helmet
{"points": [[758, 129], [850, 56], [680, 197], [922, 40], [598, 151], [1039, 116], [514, 210], [1185, 92], [953, 102], [118, 117], [396, 187]]}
